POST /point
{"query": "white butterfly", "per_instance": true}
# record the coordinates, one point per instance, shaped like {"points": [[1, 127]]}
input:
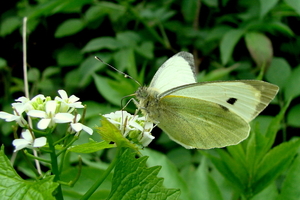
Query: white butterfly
{"points": [[202, 115]]}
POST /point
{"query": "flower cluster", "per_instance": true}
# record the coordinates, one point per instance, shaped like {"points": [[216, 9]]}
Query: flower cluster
{"points": [[133, 127], [49, 112]]}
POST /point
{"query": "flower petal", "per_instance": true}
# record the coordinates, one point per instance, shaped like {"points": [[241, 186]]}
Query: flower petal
{"points": [[20, 144], [87, 129], [43, 124], [37, 113], [76, 105], [76, 127], [8, 117], [63, 94], [39, 142], [78, 117], [39, 96], [63, 117], [27, 136], [51, 107], [22, 99], [136, 125], [146, 138]]}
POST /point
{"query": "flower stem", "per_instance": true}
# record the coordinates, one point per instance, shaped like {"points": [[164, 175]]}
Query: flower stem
{"points": [[68, 145], [54, 165], [102, 177], [36, 158]]}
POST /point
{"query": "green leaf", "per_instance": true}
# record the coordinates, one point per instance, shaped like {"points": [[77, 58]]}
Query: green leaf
{"points": [[69, 27], [293, 116], [291, 185], [278, 72], [281, 28], [114, 90], [95, 108], [274, 163], [88, 67], [71, 6], [69, 55], [189, 10], [125, 59], [145, 49], [295, 4], [3, 63], [14, 187], [291, 88], [269, 193], [203, 186], [133, 180], [33, 74], [266, 6], [227, 167], [88, 176], [50, 71], [110, 133], [238, 154], [106, 89], [128, 39], [95, 13], [272, 131], [51, 7], [97, 44], [90, 147], [228, 42], [235, 168], [260, 48], [8, 25], [168, 171], [217, 74]]}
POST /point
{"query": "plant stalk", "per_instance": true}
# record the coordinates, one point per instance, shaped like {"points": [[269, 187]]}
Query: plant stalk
{"points": [[54, 165], [94, 187]]}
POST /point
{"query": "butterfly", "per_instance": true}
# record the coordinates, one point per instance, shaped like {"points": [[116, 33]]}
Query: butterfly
{"points": [[202, 115]]}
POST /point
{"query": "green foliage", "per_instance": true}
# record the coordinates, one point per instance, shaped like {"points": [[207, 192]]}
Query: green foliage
{"points": [[133, 180], [229, 39], [14, 187], [260, 48], [89, 174], [90, 147]]}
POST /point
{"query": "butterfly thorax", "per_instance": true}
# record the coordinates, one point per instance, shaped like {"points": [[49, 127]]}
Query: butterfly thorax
{"points": [[148, 102]]}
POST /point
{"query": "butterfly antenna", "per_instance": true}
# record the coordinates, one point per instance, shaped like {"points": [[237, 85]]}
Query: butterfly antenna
{"points": [[125, 75]]}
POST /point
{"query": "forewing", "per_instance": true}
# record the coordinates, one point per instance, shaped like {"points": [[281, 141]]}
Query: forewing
{"points": [[245, 98], [200, 124], [176, 71]]}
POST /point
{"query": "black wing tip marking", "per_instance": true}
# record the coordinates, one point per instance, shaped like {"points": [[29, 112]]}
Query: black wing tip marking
{"points": [[190, 59]]}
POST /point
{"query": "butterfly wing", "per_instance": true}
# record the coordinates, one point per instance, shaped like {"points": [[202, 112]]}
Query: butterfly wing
{"points": [[245, 98], [176, 71], [200, 124]]}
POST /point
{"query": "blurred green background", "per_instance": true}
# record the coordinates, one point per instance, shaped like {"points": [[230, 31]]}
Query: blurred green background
{"points": [[229, 39]]}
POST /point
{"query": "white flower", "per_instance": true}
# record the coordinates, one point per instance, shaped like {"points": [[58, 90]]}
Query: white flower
{"points": [[18, 108], [50, 117], [145, 138], [68, 102], [119, 119], [132, 126], [36, 103], [79, 126], [23, 104], [27, 141], [16, 117]]}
